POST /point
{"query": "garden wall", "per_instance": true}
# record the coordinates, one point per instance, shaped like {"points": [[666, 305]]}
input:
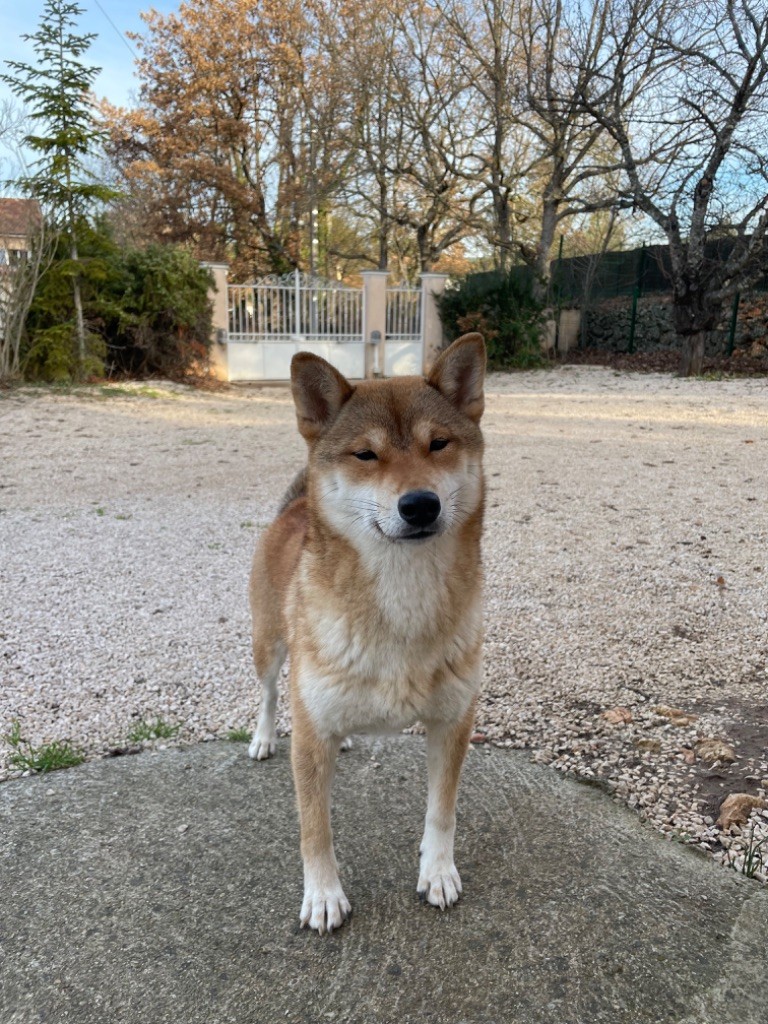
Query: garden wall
{"points": [[607, 326]]}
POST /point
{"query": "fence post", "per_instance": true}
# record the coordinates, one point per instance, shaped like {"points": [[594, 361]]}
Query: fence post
{"points": [[633, 321], [298, 324], [734, 318], [641, 270], [432, 334], [559, 295], [374, 320], [219, 299]]}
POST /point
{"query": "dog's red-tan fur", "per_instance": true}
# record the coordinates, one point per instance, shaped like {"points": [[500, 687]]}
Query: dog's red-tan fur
{"points": [[383, 624]]}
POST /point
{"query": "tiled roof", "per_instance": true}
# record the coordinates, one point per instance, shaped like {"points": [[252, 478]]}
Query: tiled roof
{"points": [[19, 216]]}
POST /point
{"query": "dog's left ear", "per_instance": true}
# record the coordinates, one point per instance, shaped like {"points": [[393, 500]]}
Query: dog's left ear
{"points": [[319, 391], [459, 375]]}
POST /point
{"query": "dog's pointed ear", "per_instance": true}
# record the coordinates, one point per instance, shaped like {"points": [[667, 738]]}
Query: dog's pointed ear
{"points": [[459, 375], [319, 391]]}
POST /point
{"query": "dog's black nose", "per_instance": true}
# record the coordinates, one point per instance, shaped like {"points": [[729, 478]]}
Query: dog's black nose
{"points": [[419, 508]]}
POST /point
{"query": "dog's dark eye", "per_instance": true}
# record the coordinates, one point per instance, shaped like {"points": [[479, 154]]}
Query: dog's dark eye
{"points": [[366, 456], [438, 444]]}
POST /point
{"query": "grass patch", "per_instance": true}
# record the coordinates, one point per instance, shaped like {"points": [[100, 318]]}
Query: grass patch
{"points": [[143, 392], [116, 390], [753, 855], [50, 757], [526, 357], [147, 392], [157, 730], [238, 736]]}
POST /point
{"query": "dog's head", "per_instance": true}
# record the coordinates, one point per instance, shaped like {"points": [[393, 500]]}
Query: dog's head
{"points": [[396, 461]]}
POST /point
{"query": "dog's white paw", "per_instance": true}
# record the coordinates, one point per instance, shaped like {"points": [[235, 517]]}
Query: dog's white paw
{"points": [[439, 883], [346, 743], [262, 746], [324, 908]]}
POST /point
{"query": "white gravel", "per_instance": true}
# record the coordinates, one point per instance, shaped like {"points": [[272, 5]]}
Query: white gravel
{"points": [[626, 555]]}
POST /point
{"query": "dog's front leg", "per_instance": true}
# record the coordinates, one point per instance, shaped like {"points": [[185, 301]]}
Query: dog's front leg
{"points": [[325, 906], [447, 744]]}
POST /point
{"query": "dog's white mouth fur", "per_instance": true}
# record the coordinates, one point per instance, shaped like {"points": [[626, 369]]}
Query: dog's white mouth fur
{"points": [[365, 515], [415, 535]]}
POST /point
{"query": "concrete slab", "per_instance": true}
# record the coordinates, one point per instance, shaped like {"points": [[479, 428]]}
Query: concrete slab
{"points": [[166, 888]]}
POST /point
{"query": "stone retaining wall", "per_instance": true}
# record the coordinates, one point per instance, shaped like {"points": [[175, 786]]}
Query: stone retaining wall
{"points": [[607, 326]]}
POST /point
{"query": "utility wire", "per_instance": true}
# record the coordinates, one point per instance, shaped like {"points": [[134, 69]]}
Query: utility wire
{"points": [[114, 26]]}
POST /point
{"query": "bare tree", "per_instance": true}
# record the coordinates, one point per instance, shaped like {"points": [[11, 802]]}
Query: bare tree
{"points": [[694, 146], [434, 198], [365, 48], [488, 48], [14, 122], [541, 158], [572, 159], [19, 279]]}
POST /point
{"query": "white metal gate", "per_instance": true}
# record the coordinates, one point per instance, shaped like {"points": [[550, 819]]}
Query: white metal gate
{"points": [[403, 349], [275, 317], [272, 319]]}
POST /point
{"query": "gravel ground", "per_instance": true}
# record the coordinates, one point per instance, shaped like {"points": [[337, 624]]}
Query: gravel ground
{"points": [[626, 558]]}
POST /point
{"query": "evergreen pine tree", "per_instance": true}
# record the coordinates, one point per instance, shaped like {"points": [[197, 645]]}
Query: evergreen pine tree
{"points": [[57, 93]]}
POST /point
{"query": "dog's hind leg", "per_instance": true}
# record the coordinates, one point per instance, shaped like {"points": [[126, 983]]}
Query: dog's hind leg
{"points": [[268, 665], [274, 561]]}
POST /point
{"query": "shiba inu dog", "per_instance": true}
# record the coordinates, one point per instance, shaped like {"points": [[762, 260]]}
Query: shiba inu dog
{"points": [[370, 578]]}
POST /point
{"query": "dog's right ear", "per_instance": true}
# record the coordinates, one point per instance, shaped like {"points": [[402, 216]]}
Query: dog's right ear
{"points": [[459, 374], [319, 391]]}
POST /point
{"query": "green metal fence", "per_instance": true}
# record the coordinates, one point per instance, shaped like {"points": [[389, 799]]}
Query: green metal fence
{"points": [[643, 270]]}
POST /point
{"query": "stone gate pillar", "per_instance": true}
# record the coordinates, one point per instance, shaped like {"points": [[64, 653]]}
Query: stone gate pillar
{"points": [[374, 320], [220, 321], [432, 335]]}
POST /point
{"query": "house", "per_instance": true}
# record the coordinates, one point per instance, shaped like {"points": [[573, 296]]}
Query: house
{"points": [[19, 219]]}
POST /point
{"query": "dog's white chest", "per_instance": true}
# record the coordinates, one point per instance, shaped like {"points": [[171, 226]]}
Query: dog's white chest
{"points": [[339, 704], [385, 669], [383, 655]]}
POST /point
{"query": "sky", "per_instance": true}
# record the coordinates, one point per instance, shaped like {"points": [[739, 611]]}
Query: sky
{"points": [[111, 20]]}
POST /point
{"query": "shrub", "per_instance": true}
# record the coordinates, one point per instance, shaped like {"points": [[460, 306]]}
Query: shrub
{"points": [[49, 347], [146, 311], [503, 310], [163, 323]]}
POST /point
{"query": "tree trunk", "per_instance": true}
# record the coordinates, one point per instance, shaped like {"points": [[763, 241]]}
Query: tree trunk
{"points": [[692, 354], [382, 227], [503, 232], [422, 243], [544, 249], [79, 322], [695, 315]]}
